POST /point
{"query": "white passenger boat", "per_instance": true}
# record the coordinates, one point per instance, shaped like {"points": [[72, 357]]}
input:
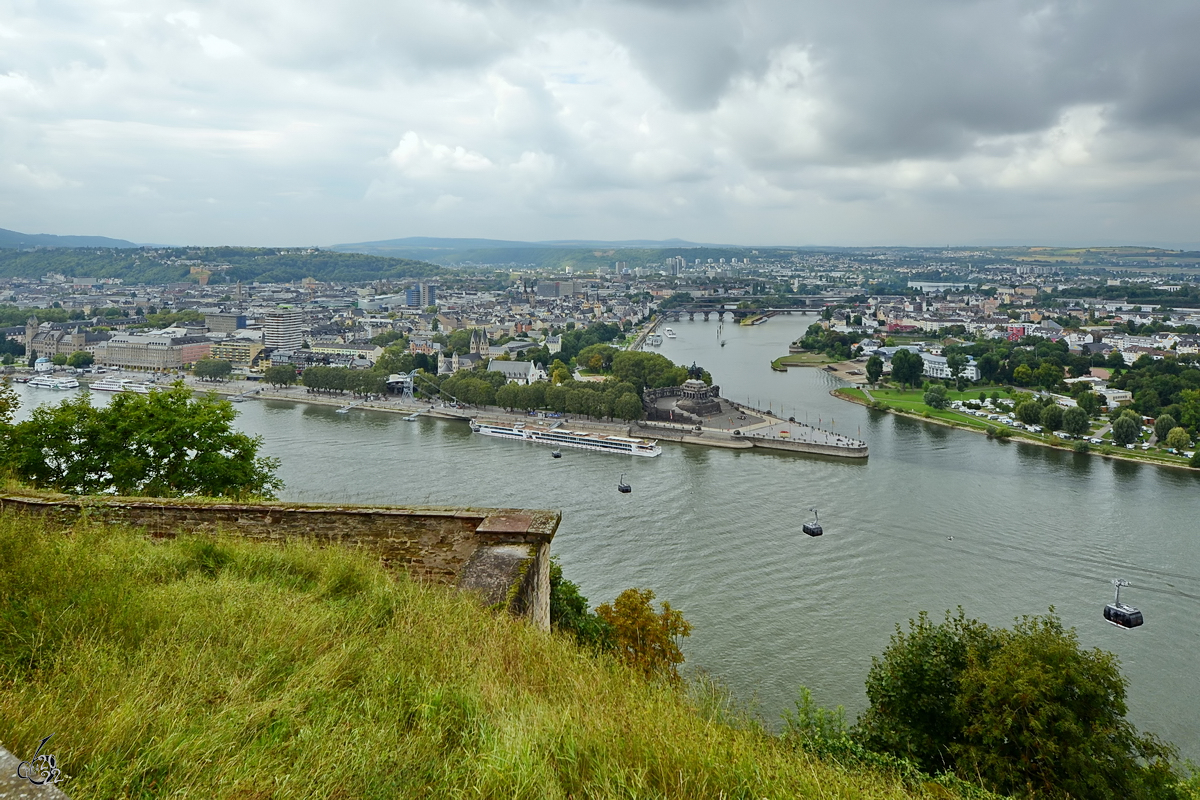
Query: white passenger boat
{"points": [[582, 440], [667, 332], [119, 385], [54, 382]]}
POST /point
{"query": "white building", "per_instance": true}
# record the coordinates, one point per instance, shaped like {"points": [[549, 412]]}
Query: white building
{"points": [[283, 329], [936, 367], [524, 372]]}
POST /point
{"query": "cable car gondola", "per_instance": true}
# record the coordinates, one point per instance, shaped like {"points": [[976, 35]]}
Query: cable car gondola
{"points": [[1118, 613], [622, 486], [813, 528]]}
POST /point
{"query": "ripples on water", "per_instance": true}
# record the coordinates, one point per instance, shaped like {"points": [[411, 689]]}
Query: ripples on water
{"points": [[716, 532]]}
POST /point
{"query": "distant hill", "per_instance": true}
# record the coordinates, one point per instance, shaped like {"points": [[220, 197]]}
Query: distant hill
{"points": [[223, 264], [580, 254], [12, 239], [435, 243]]}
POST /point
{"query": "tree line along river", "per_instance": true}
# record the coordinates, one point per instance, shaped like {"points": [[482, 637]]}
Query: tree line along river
{"points": [[934, 519]]}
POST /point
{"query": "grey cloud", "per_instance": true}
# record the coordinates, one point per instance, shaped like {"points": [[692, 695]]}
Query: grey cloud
{"points": [[730, 119]]}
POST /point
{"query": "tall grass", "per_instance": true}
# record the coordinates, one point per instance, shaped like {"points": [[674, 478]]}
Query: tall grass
{"points": [[219, 668]]}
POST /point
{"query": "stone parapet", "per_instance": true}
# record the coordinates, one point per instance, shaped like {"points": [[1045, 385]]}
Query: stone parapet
{"points": [[502, 554]]}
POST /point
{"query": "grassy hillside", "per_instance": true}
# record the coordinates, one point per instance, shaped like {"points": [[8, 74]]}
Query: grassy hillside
{"points": [[232, 670]]}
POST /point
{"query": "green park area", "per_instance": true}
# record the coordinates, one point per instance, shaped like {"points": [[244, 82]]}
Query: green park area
{"points": [[912, 401]]}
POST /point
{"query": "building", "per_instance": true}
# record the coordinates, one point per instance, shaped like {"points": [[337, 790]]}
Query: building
{"points": [[283, 329], [52, 339], [152, 351], [224, 323], [524, 372], [364, 350], [556, 288], [936, 367], [239, 352], [479, 342], [422, 295]]}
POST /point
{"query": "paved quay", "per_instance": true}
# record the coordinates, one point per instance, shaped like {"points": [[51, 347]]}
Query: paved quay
{"points": [[737, 426]]}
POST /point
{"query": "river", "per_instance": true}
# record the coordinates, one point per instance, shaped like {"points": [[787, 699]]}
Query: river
{"points": [[936, 518]]}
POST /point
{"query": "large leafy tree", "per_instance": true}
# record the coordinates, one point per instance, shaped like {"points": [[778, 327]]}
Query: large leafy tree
{"points": [[907, 367], [280, 375], [1125, 430], [1025, 711], [163, 444], [874, 369], [1075, 421], [1052, 417], [648, 370], [213, 369]]}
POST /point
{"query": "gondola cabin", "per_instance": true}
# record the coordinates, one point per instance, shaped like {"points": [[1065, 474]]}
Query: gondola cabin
{"points": [[1123, 616], [622, 486], [813, 528], [1118, 613]]}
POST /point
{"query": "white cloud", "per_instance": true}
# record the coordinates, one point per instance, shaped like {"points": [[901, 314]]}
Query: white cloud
{"points": [[418, 158]]}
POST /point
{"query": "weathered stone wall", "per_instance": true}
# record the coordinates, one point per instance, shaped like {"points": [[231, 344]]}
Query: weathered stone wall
{"points": [[502, 554]]}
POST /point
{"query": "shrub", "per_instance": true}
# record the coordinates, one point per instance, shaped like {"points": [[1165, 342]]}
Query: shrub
{"points": [[645, 639], [1014, 709]]}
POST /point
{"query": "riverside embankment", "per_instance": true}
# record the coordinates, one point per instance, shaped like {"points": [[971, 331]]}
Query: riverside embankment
{"points": [[767, 432], [954, 419]]}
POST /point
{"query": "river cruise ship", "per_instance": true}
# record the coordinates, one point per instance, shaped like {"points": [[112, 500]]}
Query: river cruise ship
{"points": [[119, 385], [582, 440], [54, 382]]}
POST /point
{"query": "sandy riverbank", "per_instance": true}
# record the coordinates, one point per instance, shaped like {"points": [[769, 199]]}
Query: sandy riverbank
{"points": [[849, 371]]}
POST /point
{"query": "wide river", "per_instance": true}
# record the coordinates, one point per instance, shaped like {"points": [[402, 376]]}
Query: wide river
{"points": [[935, 519]]}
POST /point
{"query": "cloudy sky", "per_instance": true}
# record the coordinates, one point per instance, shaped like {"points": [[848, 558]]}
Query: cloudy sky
{"points": [[841, 122]]}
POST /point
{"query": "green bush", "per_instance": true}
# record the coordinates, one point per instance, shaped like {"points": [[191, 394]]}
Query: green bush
{"points": [[1014, 709]]}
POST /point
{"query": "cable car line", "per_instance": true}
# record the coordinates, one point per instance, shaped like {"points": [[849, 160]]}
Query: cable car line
{"points": [[1094, 564]]}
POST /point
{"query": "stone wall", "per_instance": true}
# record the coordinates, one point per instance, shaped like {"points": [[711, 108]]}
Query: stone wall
{"points": [[502, 554], [650, 398]]}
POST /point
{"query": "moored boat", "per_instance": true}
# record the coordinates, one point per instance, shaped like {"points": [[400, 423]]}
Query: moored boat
{"points": [[581, 440], [54, 382], [119, 385]]}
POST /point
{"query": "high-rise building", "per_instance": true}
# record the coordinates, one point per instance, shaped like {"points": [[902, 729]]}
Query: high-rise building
{"points": [[428, 294], [283, 329], [422, 295]]}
